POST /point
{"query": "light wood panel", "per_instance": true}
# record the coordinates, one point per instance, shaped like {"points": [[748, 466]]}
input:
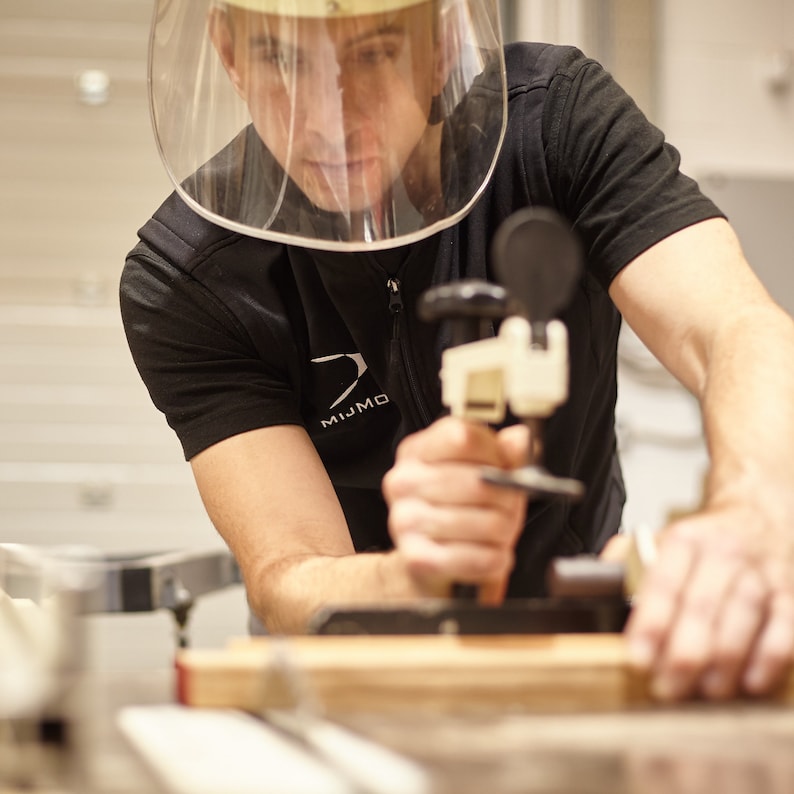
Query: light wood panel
{"points": [[536, 673], [438, 672]]}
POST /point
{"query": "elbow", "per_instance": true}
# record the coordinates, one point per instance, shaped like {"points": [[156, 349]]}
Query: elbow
{"points": [[274, 598]]}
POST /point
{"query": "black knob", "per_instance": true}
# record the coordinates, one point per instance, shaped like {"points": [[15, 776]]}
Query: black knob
{"points": [[538, 258], [469, 305]]}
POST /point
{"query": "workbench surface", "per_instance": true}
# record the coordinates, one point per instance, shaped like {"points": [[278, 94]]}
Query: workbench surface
{"points": [[695, 749]]}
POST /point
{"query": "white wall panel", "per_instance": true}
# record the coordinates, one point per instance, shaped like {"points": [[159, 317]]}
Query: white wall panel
{"points": [[85, 458], [717, 101]]}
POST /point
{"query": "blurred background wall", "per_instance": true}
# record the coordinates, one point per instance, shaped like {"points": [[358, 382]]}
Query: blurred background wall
{"points": [[85, 459], [718, 77]]}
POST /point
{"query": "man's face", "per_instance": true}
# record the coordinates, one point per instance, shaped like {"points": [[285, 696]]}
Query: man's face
{"points": [[341, 103]]}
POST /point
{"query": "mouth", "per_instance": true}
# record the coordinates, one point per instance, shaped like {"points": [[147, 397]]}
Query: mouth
{"points": [[334, 170]]}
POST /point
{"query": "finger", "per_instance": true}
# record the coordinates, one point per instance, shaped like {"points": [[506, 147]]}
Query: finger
{"points": [[737, 629], [452, 439], [690, 644], [451, 524], [447, 483], [616, 549], [774, 650], [513, 443], [657, 602], [469, 563]]}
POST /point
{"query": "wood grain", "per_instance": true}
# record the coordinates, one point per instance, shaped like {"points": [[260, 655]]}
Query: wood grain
{"points": [[436, 672], [547, 673]]}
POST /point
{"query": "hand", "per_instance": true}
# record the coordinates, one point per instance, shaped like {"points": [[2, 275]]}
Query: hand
{"points": [[715, 613], [447, 524]]}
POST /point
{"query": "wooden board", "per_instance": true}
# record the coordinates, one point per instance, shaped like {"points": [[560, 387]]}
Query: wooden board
{"points": [[437, 672], [540, 673]]}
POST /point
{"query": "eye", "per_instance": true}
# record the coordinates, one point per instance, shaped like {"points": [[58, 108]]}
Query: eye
{"points": [[375, 52], [370, 56], [282, 59]]}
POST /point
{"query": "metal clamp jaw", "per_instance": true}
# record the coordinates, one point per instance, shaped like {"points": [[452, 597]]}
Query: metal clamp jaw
{"points": [[480, 380], [525, 367]]}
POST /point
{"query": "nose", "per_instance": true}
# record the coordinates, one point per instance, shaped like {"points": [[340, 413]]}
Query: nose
{"points": [[323, 101]]}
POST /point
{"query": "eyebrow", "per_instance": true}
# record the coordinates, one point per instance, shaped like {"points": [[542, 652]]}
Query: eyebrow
{"points": [[269, 42], [273, 42], [391, 29]]}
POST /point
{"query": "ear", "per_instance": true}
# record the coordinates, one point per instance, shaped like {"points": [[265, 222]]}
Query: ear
{"points": [[447, 49], [219, 27]]}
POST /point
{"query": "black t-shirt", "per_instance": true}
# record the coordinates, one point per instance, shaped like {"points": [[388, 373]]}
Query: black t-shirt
{"points": [[232, 333]]}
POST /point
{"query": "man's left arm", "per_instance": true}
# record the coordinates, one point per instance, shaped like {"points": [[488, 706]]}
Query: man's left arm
{"points": [[715, 615]]}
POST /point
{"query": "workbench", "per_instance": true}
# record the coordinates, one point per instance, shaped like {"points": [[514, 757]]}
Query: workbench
{"points": [[743, 748]]}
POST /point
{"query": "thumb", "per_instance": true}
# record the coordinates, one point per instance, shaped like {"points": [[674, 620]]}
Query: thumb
{"points": [[513, 443], [616, 549]]}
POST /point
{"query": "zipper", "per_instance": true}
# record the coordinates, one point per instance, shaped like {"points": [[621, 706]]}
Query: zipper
{"points": [[395, 305], [396, 309]]}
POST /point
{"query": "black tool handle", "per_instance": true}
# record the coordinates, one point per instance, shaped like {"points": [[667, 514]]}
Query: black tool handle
{"points": [[469, 307]]}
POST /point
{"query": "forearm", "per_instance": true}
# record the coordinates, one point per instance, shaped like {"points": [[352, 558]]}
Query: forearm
{"points": [[748, 408], [285, 595], [269, 496], [697, 305], [714, 614]]}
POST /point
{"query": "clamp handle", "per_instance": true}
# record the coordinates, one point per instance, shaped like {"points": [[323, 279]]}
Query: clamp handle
{"points": [[469, 306]]}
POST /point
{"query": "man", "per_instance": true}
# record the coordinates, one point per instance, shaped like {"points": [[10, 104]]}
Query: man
{"points": [[333, 160]]}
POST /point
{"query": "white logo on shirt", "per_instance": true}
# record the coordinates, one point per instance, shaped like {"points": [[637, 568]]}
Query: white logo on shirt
{"points": [[361, 368]]}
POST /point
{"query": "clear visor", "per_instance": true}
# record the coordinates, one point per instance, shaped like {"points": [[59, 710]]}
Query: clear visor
{"points": [[326, 126]]}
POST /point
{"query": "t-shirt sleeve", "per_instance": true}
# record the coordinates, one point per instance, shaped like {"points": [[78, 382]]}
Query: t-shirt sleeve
{"points": [[199, 364], [613, 172]]}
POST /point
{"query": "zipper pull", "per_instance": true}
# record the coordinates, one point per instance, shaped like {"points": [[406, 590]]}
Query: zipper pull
{"points": [[395, 298], [395, 306]]}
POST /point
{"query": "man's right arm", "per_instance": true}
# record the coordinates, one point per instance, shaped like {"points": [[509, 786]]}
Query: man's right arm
{"points": [[268, 495], [271, 500]]}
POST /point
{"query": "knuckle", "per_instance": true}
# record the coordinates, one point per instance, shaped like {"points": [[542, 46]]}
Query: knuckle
{"points": [[501, 529], [663, 585], [465, 439], [778, 657], [727, 657], [751, 589], [462, 436], [406, 516], [777, 640], [488, 562], [686, 662], [389, 484], [400, 480], [680, 532], [700, 607]]}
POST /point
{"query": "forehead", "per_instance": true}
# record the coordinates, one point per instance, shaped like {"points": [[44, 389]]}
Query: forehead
{"points": [[412, 21]]}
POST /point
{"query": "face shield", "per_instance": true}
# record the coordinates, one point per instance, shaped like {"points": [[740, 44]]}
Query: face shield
{"points": [[331, 124]]}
